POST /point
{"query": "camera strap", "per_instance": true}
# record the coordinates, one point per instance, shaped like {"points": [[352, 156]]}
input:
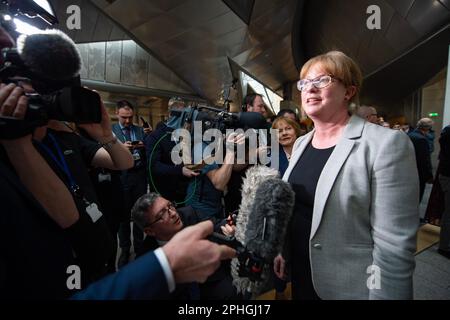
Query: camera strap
{"points": [[61, 163]]}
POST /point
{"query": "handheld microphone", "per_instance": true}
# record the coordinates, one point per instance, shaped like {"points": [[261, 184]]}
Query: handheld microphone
{"points": [[266, 208]]}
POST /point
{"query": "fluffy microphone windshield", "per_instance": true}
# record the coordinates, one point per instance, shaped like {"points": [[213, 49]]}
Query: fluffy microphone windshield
{"points": [[50, 54], [266, 208]]}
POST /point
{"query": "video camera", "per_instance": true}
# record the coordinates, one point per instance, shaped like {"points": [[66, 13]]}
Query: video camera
{"points": [[216, 118], [42, 64]]}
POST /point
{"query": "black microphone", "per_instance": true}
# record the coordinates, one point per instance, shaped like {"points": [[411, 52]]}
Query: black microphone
{"points": [[50, 55], [264, 213]]}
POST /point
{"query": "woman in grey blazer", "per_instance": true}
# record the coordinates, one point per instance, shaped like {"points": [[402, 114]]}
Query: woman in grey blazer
{"points": [[353, 231]]}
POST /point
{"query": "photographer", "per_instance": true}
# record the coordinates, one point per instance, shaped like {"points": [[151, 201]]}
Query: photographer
{"points": [[205, 193], [69, 155], [167, 179], [38, 214], [66, 153]]}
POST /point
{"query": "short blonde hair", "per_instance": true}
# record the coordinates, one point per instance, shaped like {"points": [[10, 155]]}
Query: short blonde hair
{"points": [[340, 66], [290, 122]]}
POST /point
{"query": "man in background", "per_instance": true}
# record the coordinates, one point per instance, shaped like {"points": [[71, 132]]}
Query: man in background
{"points": [[134, 180]]}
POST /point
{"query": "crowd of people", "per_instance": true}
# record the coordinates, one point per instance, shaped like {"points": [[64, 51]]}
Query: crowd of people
{"points": [[70, 191]]}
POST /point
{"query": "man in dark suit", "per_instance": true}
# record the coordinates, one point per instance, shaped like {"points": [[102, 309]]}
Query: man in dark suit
{"points": [[134, 180], [422, 150]]}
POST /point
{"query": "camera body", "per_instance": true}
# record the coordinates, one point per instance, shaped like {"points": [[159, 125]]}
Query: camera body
{"points": [[216, 118], [58, 100]]}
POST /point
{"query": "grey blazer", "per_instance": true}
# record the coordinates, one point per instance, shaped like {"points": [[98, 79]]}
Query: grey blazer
{"points": [[365, 217]]}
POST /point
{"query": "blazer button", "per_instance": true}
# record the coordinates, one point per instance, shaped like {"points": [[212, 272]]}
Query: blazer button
{"points": [[317, 246]]}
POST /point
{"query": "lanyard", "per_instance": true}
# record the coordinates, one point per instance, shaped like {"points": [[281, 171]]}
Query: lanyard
{"points": [[62, 164]]}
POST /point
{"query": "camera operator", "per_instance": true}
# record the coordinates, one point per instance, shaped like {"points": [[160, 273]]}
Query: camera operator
{"points": [[69, 155], [205, 193], [37, 212], [66, 153], [168, 179]]}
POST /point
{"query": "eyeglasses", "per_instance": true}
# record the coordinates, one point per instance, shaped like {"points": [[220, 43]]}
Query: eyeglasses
{"points": [[162, 215], [319, 82]]}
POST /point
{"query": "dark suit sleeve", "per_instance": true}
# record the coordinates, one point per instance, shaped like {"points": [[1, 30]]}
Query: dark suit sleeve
{"points": [[142, 279], [153, 146], [116, 130], [141, 134], [424, 160]]}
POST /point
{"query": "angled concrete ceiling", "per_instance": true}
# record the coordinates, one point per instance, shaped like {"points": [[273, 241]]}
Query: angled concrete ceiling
{"points": [[330, 24], [95, 26], [196, 38]]}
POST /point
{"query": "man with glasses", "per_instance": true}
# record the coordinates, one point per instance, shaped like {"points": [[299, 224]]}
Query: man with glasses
{"points": [[160, 221]]}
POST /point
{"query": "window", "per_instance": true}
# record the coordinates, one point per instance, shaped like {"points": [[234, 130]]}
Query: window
{"points": [[271, 99]]}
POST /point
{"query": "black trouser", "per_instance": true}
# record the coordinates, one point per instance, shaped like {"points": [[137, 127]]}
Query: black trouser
{"points": [[134, 185], [422, 184]]}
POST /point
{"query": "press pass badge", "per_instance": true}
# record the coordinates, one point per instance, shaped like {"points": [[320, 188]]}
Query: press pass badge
{"points": [[104, 177], [93, 211]]}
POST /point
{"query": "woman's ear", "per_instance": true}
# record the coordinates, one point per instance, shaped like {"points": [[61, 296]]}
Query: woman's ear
{"points": [[350, 93]]}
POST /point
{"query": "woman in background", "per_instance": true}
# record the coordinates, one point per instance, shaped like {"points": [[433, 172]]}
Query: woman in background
{"points": [[288, 132]]}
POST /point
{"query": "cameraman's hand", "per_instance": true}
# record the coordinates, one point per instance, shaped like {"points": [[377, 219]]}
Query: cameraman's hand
{"points": [[189, 173], [235, 138], [191, 257], [102, 131], [13, 104]]}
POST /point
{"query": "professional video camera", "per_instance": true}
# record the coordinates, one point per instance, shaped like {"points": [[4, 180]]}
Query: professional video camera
{"points": [[216, 118], [50, 63]]}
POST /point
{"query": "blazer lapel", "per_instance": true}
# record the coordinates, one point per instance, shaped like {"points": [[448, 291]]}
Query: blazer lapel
{"points": [[332, 168]]}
